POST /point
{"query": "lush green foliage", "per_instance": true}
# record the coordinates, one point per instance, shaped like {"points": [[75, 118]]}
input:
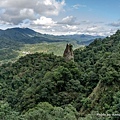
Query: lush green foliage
{"points": [[5, 43], [100, 62], [55, 47], [6, 113], [17, 42], [8, 50], [44, 87], [11, 52], [41, 77], [45, 111]]}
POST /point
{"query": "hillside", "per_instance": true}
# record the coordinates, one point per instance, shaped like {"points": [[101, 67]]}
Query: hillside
{"points": [[16, 42], [44, 86], [24, 35], [101, 63], [11, 51], [29, 36]]}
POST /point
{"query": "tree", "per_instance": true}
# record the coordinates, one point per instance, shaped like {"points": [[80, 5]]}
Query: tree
{"points": [[6, 113]]}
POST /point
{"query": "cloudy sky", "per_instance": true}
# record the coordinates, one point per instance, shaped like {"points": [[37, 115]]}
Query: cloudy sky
{"points": [[95, 17]]}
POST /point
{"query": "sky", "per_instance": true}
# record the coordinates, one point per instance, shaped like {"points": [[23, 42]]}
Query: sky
{"points": [[62, 17]]}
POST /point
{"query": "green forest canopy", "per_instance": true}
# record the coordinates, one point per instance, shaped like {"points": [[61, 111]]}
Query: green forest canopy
{"points": [[44, 85]]}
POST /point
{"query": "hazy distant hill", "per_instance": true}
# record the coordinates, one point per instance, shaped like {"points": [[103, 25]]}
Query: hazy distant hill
{"points": [[29, 36], [81, 38]]}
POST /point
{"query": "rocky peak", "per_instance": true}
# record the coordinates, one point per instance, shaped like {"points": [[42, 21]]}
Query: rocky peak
{"points": [[68, 53]]}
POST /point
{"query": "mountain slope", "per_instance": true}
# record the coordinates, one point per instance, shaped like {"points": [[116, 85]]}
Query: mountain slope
{"points": [[13, 42], [101, 63], [28, 36], [91, 83], [24, 35]]}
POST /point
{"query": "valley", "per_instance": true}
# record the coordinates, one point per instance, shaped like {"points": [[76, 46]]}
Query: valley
{"points": [[17, 42], [11, 54]]}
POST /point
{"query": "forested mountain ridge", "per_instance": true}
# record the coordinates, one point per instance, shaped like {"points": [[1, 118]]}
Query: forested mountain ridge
{"points": [[14, 42], [101, 62], [23, 35], [91, 83], [29, 36]]}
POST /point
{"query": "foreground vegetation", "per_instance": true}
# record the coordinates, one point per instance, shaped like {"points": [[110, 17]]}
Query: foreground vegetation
{"points": [[46, 87]]}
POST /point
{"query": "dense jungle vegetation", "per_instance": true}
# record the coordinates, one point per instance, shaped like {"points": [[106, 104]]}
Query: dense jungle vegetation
{"points": [[45, 87]]}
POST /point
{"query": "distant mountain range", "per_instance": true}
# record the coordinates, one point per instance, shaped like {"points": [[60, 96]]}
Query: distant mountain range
{"points": [[29, 36]]}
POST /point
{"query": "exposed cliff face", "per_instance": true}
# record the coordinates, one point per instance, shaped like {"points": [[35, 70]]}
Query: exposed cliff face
{"points": [[68, 53]]}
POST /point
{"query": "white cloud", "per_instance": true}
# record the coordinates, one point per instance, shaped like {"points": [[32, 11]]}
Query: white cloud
{"points": [[44, 21], [99, 30], [69, 20], [44, 16], [115, 24], [85, 27], [93, 28], [77, 6], [68, 27], [4, 23], [27, 12], [17, 11]]}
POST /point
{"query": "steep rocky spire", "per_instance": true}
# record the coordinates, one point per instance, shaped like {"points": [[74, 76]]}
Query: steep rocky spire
{"points": [[68, 53]]}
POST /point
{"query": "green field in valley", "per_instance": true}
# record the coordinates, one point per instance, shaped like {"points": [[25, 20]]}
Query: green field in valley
{"points": [[57, 48], [11, 55]]}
